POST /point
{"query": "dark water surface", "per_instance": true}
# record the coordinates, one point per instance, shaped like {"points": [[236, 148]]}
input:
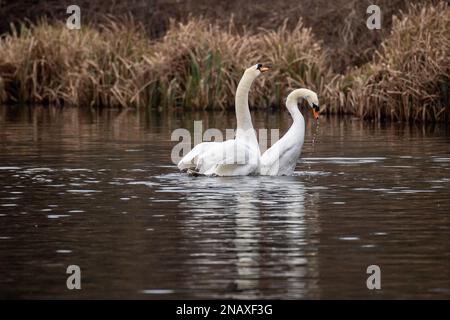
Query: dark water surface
{"points": [[98, 190]]}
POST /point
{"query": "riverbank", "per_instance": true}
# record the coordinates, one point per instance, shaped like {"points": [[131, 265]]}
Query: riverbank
{"points": [[197, 65]]}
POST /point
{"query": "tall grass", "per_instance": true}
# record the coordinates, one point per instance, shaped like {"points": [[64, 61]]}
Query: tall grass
{"points": [[207, 63], [408, 79], [195, 65], [52, 64], [340, 24]]}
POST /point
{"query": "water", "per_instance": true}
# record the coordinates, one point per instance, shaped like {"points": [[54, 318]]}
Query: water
{"points": [[98, 190]]}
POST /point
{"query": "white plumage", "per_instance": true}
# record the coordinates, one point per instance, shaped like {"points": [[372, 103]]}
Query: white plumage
{"points": [[281, 158], [235, 157]]}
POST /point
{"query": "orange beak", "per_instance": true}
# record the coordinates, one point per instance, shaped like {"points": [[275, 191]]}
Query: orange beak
{"points": [[264, 69], [315, 114]]}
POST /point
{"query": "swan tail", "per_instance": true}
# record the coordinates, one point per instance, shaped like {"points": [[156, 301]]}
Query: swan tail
{"points": [[189, 161]]}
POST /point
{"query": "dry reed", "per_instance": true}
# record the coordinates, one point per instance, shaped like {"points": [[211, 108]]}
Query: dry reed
{"points": [[197, 65], [409, 77]]}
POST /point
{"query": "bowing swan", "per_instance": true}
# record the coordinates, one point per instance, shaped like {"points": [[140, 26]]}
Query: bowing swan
{"points": [[234, 157], [281, 158]]}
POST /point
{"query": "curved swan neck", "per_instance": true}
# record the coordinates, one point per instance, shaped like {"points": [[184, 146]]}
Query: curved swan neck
{"points": [[243, 116], [292, 106]]}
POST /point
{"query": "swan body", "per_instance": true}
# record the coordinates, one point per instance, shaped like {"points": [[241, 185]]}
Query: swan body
{"points": [[234, 157], [281, 158]]}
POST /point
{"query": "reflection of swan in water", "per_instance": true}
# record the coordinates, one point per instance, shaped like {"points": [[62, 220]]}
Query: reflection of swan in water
{"points": [[246, 241], [247, 237]]}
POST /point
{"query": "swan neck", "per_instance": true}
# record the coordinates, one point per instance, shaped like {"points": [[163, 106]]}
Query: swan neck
{"points": [[292, 106], [243, 116]]}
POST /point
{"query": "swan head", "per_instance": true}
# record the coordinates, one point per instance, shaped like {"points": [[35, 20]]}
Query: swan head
{"points": [[256, 70], [310, 96], [313, 102]]}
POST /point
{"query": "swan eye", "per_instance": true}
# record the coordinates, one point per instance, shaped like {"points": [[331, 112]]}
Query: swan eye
{"points": [[259, 66], [316, 107]]}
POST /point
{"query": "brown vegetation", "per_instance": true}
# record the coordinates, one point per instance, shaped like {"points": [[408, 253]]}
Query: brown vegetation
{"points": [[197, 64], [409, 77], [340, 24]]}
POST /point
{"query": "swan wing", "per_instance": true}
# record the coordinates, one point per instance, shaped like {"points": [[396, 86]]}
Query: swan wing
{"points": [[281, 158], [236, 158], [270, 160], [189, 161]]}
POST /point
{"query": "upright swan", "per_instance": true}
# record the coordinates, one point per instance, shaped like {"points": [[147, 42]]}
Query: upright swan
{"points": [[235, 157], [281, 158]]}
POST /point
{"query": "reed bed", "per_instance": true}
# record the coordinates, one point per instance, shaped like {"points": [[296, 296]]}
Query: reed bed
{"points": [[197, 65], [409, 77], [340, 24], [52, 64], [208, 63]]}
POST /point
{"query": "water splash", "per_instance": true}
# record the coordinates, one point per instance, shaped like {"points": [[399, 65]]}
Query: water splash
{"points": [[316, 128]]}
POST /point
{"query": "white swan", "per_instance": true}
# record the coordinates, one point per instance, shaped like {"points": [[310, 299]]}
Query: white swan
{"points": [[281, 158], [235, 157]]}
